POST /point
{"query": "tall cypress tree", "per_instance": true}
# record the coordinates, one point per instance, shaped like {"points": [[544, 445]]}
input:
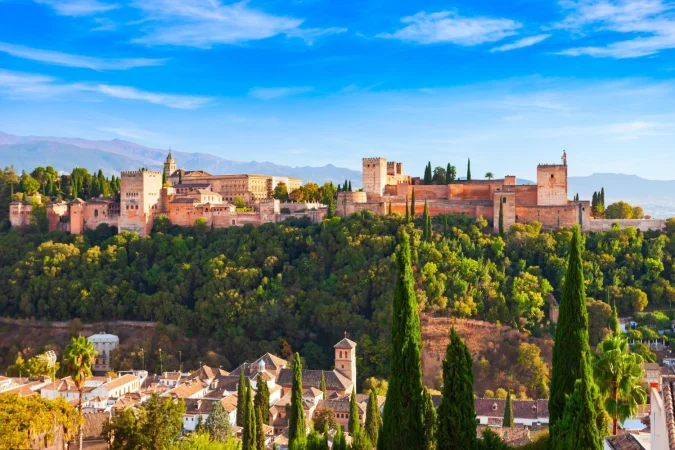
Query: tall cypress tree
{"points": [[429, 230], [350, 185], [322, 385], [616, 324], [164, 176], [241, 404], [468, 171], [578, 428], [339, 441], [425, 215], [248, 439], [373, 420], [448, 171], [354, 424], [571, 335], [445, 225], [259, 430], [501, 217], [389, 212], [456, 413], [403, 421], [297, 430], [430, 421], [602, 196], [508, 412], [407, 211], [412, 205], [261, 402]]}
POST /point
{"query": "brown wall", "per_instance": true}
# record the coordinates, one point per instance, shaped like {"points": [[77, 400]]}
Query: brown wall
{"points": [[551, 217], [551, 185], [526, 195]]}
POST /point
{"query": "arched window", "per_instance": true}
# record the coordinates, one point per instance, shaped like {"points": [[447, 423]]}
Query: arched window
{"points": [[96, 213]]}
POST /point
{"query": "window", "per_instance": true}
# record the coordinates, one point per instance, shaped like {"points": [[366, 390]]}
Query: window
{"points": [[96, 213], [504, 200]]}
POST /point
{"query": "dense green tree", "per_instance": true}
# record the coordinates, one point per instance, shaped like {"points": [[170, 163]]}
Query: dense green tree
{"points": [[501, 217], [508, 412], [297, 430], [261, 401], [339, 441], [456, 413], [425, 217], [412, 205], [618, 373], [492, 441], [322, 385], [571, 337], [427, 174], [218, 423], [407, 210], [489, 175], [402, 419], [259, 429], [161, 422], [430, 421], [468, 170]]}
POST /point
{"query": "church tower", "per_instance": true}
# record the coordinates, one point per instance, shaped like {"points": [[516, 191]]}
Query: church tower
{"points": [[345, 359], [169, 165]]}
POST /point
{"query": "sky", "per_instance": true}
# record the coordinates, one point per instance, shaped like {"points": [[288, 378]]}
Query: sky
{"points": [[508, 84]]}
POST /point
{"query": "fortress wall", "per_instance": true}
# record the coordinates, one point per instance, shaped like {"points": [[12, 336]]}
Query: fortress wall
{"points": [[551, 217], [642, 224], [347, 201], [551, 185], [473, 191], [508, 200], [526, 195], [95, 214], [423, 192]]}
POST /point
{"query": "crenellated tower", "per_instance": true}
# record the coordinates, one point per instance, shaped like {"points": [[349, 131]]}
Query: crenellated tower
{"points": [[140, 200]]}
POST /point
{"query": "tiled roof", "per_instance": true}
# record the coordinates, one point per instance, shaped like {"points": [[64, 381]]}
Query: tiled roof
{"points": [[624, 442], [192, 185], [184, 200], [121, 381], [198, 406], [345, 343], [335, 381], [522, 409], [186, 390], [230, 403], [668, 389]]}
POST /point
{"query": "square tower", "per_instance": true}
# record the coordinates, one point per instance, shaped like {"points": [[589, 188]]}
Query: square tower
{"points": [[345, 359], [374, 175], [551, 185], [140, 200]]}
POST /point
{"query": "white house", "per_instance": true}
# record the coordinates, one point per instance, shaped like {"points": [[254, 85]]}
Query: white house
{"points": [[490, 411], [94, 387], [104, 344]]}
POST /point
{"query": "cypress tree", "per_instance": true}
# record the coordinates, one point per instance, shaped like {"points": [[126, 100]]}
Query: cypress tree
{"points": [[430, 421], [164, 176], [297, 430], [261, 402], [571, 336], [248, 439], [403, 425], [468, 171], [373, 417], [425, 215], [578, 428], [354, 424], [350, 186], [448, 170], [412, 205], [445, 225], [322, 385], [241, 405], [594, 202], [389, 208], [259, 430], [456, 413], [331, 208], [428, 228], [615, 317], [501, 217], [427, 173], [407, 211], [508, 412], [602, 196], [24, 197], [339, 441]]}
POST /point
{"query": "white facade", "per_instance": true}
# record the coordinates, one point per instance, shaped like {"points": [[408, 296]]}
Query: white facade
{"points": [[104, 344], [657, 417]]}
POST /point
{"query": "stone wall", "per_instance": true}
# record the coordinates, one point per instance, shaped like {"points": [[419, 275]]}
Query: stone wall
{"points": [[374, 175], [140, 197], [347, 202], [642, 225], [508, 200], [19, 214], [553, 217], [526, 195]]}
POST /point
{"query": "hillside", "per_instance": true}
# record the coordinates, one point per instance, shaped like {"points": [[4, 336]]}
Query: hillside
{"points": [[27, 152]]}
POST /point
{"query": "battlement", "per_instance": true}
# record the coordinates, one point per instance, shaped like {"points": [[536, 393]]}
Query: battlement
{"points": [[373, 160], [139, 173], [551, 165]]}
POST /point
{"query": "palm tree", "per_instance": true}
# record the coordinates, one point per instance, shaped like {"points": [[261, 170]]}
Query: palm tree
{"points": [[489, 175], [618, 373], [78, 357]]}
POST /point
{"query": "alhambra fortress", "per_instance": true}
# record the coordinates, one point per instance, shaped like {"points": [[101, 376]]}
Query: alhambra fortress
{"points": [[190, 195]]}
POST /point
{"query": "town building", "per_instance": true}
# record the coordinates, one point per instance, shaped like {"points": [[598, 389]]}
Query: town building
{"points": [[104, 344]]}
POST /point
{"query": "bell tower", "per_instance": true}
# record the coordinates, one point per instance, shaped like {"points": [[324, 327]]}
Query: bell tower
{"points": [[169, 165], [345, 359]]}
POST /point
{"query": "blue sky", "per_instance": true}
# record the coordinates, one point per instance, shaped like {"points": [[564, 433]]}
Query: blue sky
{"points": [[309, 82]]}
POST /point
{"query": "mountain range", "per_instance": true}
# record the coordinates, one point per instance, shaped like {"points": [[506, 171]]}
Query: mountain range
{"points": [[657, 197], [28, 152]]}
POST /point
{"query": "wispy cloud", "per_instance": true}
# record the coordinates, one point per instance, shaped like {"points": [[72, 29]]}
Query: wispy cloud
{"points": [[70, 60], [203, 24], [19, 85], [447, 26], [262, 93], [78, 7], [650, 21], [521, 43]]}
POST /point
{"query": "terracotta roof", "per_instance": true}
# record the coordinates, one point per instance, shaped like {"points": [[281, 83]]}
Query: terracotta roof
{"points": [[93, 424], [335, 381], [230, 403], [345, 343], [186, 390], [121, 381], [210, 373], [171, 375], [198, 406], [623, 442], [522, 409], [668, 389]]}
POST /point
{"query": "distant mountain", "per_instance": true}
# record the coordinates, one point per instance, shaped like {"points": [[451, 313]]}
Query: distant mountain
{"points": [[28, 152], [657, 197]]}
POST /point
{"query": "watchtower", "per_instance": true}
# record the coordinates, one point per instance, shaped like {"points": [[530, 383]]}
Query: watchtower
{"points": [[551, 184], [140, 200], [374, 175], [345, 359]]}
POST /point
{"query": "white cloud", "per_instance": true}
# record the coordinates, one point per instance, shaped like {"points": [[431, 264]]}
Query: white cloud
{"points": [[447, 26], [203, 24], [650, 21], [521, 43], [70, 60], [262, 93], [20, 85], [78, 7]]}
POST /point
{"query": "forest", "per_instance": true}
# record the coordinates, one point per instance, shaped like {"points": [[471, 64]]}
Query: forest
{"points": [[299, 286]]}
